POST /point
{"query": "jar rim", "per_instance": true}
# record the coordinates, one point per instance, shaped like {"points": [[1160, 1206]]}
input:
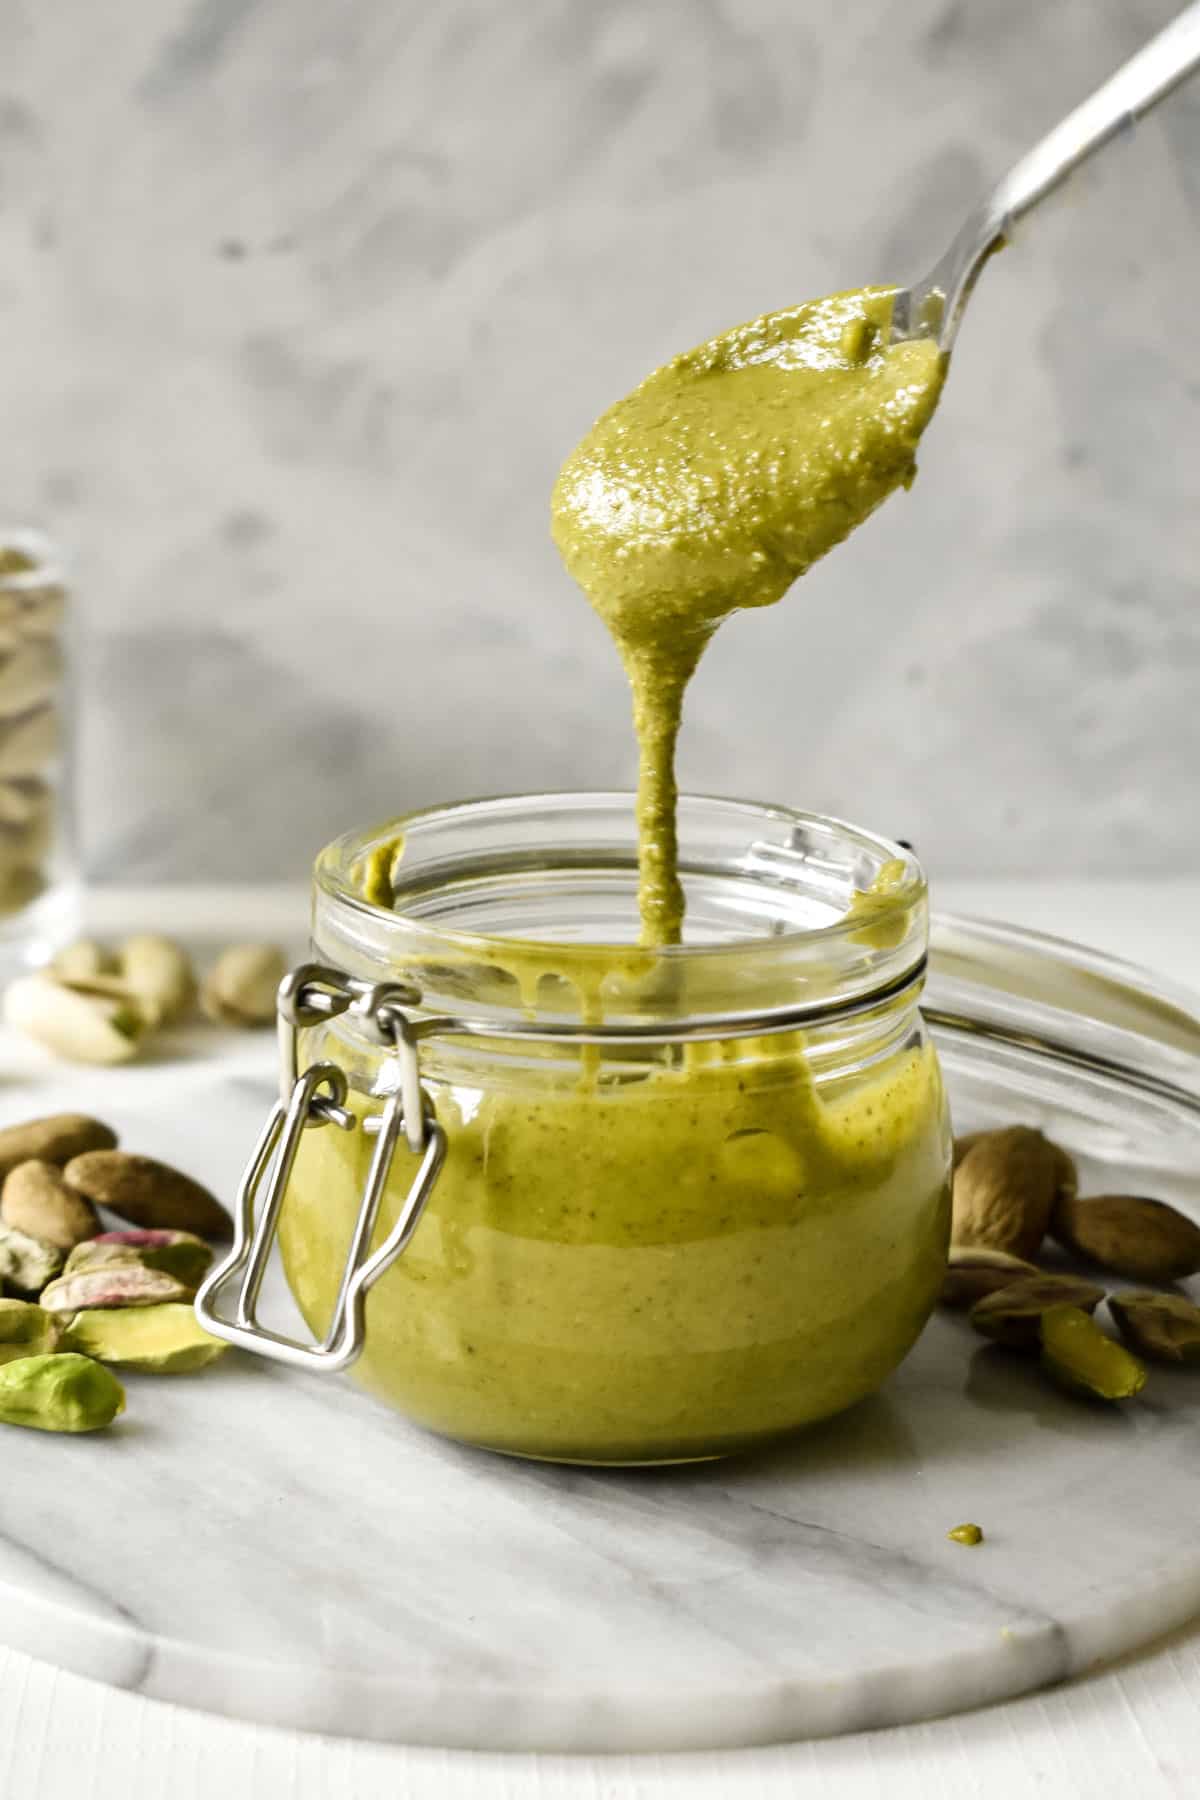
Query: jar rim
{"points": [[848, 953]]}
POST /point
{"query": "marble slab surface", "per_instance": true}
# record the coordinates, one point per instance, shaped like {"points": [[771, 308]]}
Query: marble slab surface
{"points": [[280, 1548]]}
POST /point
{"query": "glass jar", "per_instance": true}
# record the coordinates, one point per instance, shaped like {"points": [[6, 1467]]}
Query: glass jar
{"points": [[691, 1198], [38, 887]]}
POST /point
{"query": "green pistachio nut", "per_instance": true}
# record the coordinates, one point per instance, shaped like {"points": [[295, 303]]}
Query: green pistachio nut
{"points": [[27, 1330], [59, 1393], [157, 1340], [1082, 1359]]}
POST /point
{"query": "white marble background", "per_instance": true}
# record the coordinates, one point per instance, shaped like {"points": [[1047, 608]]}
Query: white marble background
{"points": [[301, 305]]}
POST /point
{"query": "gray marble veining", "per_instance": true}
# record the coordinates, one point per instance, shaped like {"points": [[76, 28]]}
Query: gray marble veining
{"points": [[301, 307], [280, 1548]]}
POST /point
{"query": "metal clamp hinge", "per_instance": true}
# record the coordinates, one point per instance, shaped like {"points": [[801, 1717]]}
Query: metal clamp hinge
{"points": [[309, 1100]]}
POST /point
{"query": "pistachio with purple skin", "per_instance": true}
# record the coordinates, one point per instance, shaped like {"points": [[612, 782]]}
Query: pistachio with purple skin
{"points": [[128, 1284], [178, 1253]]}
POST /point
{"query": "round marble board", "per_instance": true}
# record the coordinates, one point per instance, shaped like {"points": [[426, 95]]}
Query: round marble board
{"points": [[279, 1547]]}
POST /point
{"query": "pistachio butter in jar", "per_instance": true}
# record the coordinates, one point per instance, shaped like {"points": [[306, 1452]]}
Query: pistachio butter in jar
{"points": [[692, 1197]]}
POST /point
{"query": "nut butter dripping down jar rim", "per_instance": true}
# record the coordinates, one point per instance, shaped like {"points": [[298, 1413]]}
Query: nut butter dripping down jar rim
{"points": [[803, 960]]}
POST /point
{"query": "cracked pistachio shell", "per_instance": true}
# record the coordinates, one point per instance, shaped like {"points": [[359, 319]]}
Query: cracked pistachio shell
{"points": [[59, 1393], [972, 1274], [1014, 1314], [27, 1263], [83, 1027]]}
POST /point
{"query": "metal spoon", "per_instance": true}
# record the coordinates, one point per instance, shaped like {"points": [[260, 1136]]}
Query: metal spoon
{"points": [[934, 307]]}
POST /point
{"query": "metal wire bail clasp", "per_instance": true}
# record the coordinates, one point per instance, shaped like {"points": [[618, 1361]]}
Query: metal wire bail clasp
{"points": [[309, 1100]]}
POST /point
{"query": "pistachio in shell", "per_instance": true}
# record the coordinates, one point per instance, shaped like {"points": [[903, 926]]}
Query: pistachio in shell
{"points": [[973, 1272], [148, 1193], [159, 971], [55, 1139], [155, 1340], [1014, 1314], [128, 1284], [1083, 1360], [242, 985], [178, 1253], [1163, 1327], [1006, 1187], [86, 1027], [1147, 1240], [38, 1201], [82, 960], [27, 1329], [59, 1393]]}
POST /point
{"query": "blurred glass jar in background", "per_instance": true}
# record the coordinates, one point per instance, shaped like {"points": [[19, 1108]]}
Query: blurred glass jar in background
{"points": [[38, 881]]}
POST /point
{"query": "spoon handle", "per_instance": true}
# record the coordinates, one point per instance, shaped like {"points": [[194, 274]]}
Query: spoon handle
{"points": [[934, 307], [1148, 77]]}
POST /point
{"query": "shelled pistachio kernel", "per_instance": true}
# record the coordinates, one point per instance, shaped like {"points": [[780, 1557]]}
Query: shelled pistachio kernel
{"points": [[1082, 1359]]}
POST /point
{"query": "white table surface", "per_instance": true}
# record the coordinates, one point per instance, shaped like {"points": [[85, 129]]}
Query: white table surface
{"points": [[1133, 1729]]}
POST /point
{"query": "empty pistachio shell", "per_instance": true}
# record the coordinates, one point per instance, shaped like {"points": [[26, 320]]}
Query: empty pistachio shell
{"points": [[55, 1139], [82, 1027], [27, 1330], [1014, 1314], [1078, 1355], [158, 1340], [59, 1393], [26, 1262], [147, 1192], [82, 960], [974, 1272], [37, 1200], [1164, 1327], [242, 985], [1005, 1188], [1144, 1239], [128, 1284], [160, 971], [178, 1253]]}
